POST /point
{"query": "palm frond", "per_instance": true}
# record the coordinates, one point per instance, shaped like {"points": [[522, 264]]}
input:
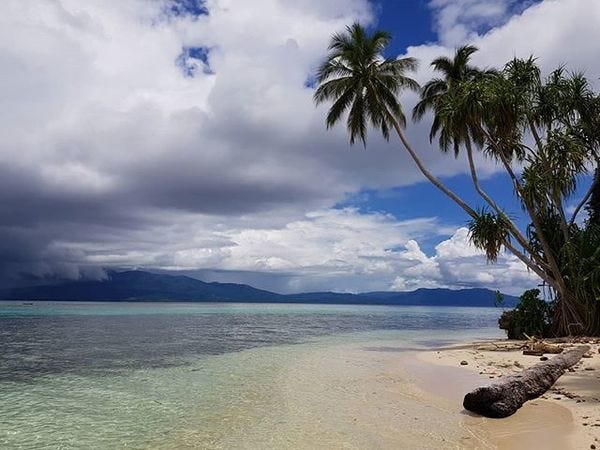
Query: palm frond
{"points": [[341, 104], [356, 123], [332, 89], [358, 80], [443, 64], [488, 232], [331, 69]]}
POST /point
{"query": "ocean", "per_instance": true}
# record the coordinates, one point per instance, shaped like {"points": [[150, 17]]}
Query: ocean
{"points": [[185, 375]]}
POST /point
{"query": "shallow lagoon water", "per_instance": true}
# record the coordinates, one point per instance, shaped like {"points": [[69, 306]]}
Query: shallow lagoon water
{"points": [[148, 375]]}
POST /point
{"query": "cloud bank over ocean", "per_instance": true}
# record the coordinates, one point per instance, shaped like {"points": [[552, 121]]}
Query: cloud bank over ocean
{"points": [[146, 134]]}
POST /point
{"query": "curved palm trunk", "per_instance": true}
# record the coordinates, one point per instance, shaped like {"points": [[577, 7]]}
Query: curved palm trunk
{"points": [[513, 228], [437, 183], [530, 210], [569, 316], [534, 267], [567, 312], [539, 267], [532, 213]]}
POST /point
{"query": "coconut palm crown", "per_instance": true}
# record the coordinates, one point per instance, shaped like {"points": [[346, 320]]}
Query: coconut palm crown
{"points": [[358, 80], [453, 99]]}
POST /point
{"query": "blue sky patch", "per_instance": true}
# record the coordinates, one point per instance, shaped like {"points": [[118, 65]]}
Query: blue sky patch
{"points": [[187, 7], [192, 60]]}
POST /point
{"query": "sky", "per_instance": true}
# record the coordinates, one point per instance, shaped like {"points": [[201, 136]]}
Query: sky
{"points": [[182, 136]]}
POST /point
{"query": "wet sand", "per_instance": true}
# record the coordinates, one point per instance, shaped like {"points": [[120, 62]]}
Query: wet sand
{"points": [[356, 397]]}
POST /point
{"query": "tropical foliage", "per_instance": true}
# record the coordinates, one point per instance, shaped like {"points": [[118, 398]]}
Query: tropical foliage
{"points": [[531, 317], [543, 132], [363, 83]]}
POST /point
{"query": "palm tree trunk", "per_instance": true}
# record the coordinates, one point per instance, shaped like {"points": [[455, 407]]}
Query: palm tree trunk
{"points": [[541, 272], [557, 202], [536, 135], [567, 314], [513, 228], [437, 183], [567, 310], [550, 257], [564, 227]]}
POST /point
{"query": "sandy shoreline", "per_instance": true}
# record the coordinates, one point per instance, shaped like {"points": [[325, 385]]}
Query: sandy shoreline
{"points": [[356, 397], [567, 416], [392, 395]]}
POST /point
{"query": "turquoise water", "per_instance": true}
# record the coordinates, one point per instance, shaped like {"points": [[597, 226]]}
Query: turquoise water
{"points": [[119, 375]]}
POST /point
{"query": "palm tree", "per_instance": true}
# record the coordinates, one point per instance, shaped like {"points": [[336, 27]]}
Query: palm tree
{"points": [[553, 111], [454, 100], [439, 92], [358, 80]]}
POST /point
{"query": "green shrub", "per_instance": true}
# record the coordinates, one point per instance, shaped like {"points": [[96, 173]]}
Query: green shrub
{"points": [[532, 317]]}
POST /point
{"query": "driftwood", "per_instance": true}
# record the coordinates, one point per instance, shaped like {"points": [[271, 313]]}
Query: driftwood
{"points": [[504, 347], [532, 346], [538, 347], [504, 398], [533, 353]]}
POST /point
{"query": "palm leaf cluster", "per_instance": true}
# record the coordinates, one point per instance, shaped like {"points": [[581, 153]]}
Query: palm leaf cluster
{"points": [[454, 100], [593, 207], [361, 82], [489, 232]]}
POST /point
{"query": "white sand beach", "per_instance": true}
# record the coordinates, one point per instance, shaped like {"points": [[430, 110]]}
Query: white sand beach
{"points": [[567, 416]]}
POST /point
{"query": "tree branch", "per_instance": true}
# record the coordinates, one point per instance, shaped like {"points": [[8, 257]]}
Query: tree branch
{"points": [[536, 136]]}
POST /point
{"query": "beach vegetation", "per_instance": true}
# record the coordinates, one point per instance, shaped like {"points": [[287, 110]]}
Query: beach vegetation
{"points": [[532, 316], [542, 132]]}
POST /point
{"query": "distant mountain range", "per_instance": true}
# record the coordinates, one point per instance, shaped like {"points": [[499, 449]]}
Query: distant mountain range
{"points": [[147, 286]]}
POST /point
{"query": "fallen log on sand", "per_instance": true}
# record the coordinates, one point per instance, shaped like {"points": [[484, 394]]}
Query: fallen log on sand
{"points": [[504, 398]]}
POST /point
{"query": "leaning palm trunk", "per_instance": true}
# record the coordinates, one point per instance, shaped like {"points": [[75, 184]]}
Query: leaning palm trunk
{"points": [[569, 317], [437, 183], [470, 211]]}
